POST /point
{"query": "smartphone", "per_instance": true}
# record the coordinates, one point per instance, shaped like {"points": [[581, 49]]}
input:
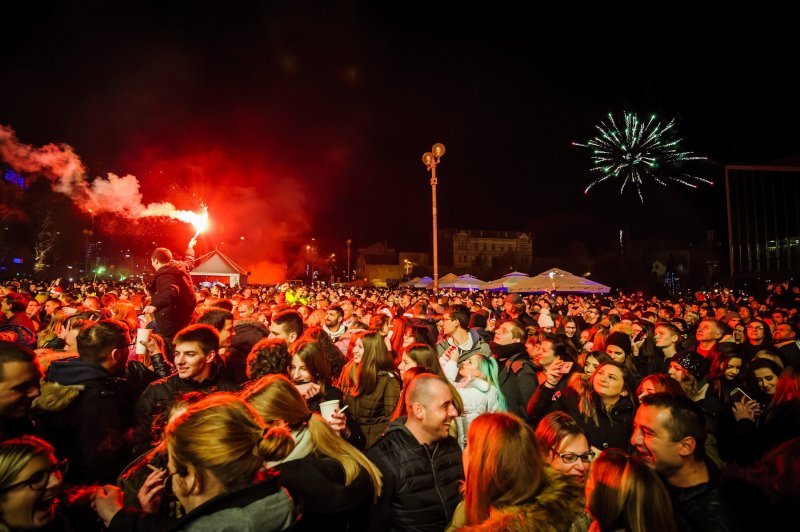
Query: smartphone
{"points": [[737, 394], [565, 367]]}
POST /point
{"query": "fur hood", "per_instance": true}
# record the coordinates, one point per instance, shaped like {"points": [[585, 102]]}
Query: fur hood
{"points": [[554, 509], [56, 397]]}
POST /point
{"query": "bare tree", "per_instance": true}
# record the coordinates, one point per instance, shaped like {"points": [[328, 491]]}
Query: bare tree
{"points": [[46, 237]]}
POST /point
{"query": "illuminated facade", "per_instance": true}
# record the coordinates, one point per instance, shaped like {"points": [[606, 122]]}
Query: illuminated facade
{"points": [[465, 249]]}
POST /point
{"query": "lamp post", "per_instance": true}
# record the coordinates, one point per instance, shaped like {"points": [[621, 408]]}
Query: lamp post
{"points": [[431, 160], [349, 276]]}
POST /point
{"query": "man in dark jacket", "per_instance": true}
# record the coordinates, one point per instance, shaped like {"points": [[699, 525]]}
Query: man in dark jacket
{"points": [[19, 386], [669, 434], [196, 349], [86, 409], [517, 374], [420, 461], [172, 292]]}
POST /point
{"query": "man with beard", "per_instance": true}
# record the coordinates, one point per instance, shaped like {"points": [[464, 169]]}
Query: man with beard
{"points": [[517, 375], [669, 434], [785, 339]]}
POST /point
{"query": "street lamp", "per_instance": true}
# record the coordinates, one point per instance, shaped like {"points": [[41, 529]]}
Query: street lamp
{"points": [[349, 277], [431, 160]]}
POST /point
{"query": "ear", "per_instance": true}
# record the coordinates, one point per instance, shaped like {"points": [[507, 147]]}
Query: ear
{"points": [[687, 446], [292, 337], [418, 410], [211, 356]]}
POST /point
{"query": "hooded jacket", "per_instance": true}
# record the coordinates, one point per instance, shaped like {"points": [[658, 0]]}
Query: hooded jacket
{"points": [[479, 397], [420, 482], [87, 414], [173, 296]]}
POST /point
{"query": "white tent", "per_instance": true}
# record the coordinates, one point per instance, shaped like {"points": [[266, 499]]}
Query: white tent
{"points": [[447, 279], [465, 282], [555, 280], [506, 282], [410, 282], [217, 264], [425, 282]]}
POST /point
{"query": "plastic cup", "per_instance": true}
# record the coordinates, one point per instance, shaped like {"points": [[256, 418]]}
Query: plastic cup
{"points": [[328, 408], [142, 335]]}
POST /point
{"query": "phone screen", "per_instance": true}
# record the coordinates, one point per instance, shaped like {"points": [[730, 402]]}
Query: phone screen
{"points": [[737, 394]]}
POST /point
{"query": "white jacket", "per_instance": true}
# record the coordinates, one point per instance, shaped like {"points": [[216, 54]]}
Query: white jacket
{"points": [[479, 397]]}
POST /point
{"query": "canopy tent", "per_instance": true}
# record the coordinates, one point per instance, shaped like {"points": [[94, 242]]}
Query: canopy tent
{"points": [[447, 279], [555, 280], [465, 282], [217, 264], [425, 282], [410, 282], [506, 282]]}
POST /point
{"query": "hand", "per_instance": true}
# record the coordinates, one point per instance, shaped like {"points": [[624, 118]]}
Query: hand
{"points": [[149, 309], [451, 353], [746, 410], [151, 492], [554, 374], [338, 422], [307, 390], [107, 502]]}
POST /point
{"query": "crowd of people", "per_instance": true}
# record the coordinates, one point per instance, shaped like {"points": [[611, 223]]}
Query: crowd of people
{"points": [[170, 406]]}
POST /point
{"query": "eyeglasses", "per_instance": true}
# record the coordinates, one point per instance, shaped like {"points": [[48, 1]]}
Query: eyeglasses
{"points": [[571, 458], [39, 480], [755, 327]]}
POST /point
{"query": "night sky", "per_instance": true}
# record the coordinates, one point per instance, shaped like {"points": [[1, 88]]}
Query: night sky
{"points": [[309, 119]]}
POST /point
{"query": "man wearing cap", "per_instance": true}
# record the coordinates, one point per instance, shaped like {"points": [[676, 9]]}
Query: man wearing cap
{"points": [[514, 308], [690, 370]]}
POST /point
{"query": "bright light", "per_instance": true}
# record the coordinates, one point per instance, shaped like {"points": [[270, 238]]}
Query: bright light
{"points": [[198, 220]]}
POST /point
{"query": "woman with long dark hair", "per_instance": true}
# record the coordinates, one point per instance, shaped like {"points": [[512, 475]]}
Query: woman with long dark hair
{"points": [[371, 385], [604, 408]]}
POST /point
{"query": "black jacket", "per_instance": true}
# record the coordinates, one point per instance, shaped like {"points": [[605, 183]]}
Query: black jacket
{"points": [[612, 430], [317, 483], [172, 294], [703, 507], [160, 394], [517, 376], [420, 482], [87, 414]]}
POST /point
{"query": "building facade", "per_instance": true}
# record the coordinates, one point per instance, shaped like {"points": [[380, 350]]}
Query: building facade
{"points": [[763, 221], [467, 249]]}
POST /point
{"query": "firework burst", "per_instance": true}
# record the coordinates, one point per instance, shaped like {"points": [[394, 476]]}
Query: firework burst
{"points": [[637, 151]]}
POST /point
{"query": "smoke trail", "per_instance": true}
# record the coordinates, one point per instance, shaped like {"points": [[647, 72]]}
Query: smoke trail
{"points": [[62, 166]]}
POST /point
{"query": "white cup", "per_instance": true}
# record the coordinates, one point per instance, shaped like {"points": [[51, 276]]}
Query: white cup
{"points": [[328, 408], [142, 335]]}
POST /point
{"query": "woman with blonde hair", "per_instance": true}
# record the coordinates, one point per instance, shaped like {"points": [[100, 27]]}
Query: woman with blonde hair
{"points": [[50, 336], [623, 494], [370, 385], [216, 454], [507, 485], [334, 479]]}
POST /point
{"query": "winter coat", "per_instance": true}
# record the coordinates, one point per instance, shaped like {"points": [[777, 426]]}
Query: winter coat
{"points": [[160, 394], [479, 397], [87, 414], [317, 482], [613, 428], [172, 294], [556, 508], [260, 507], [373, 410], [516, 376], [703, 507], [248, 334], [420, 482]]}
